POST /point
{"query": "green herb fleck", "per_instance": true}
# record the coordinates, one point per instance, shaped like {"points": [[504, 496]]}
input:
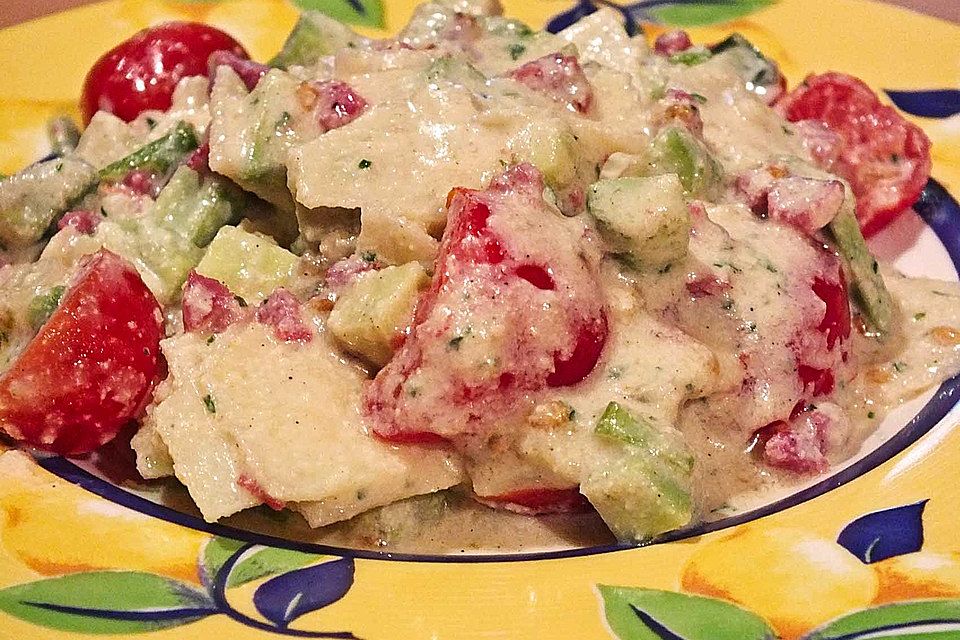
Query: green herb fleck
{"points": [[454, 343], [665, 268], [917, 317], [209, 404], [211, 338], [871, 415], [691, 57], [364, 164], [240, 301], [699, 98], [899, 367], [727, 304], [517, 50], [786, 130], [151, 124], [368, 256]]}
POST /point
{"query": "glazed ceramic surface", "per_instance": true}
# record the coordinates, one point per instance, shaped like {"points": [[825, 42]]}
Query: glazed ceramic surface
{"points": [[869, 551]]}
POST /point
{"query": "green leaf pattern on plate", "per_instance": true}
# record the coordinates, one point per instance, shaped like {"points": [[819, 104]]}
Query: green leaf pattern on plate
{"points": [[368, 13], [650, 614], [106, 602], [923, 619], [696, 14]]}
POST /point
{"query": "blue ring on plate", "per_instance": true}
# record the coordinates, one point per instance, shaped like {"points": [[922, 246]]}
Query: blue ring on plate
{"points": [[937, 208]]}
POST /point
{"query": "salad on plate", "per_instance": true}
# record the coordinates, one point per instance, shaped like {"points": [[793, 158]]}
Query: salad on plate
{"points": [[475, 286]]}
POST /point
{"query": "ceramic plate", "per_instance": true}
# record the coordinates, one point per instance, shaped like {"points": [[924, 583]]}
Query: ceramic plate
{"points": [[870, 551]]}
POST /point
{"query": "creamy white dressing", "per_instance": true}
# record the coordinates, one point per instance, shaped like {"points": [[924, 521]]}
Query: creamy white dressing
{"points": [[706, 349]]}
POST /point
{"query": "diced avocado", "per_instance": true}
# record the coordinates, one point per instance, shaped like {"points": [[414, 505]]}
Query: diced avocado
{"points": [[639, 497], [616, 423], [371, 312], [43, 305], [676, 150], [35, 197], [250, 264], [642, 487], [645, 220], [867, 286], [549, 146], [157, 156], [315, 35], [186, 216]]}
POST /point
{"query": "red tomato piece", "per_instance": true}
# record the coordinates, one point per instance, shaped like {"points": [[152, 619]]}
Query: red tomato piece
{"points": [[559, 77], [142, 72], [208, 305], [91, 367], [514, 308], [538, 501], [334, 103], [253, 487], [249, 71], [81, 220], [672, 42], [885, 159], [281, 311]]}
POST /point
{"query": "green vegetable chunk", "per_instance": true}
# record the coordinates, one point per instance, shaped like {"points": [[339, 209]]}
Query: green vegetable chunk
{"points": [[644, 220], [250, 264], [185, 218], [315, 35], [372, 311], [676, 150], [758, 72], [43, 306], [32, 199], [691, 57], [867, 285], [158, 156], [643, 486]]}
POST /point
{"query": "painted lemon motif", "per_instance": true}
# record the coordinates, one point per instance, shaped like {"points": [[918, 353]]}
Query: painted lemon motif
{"points": [[56, 528], [790, 577], [917, 576]]}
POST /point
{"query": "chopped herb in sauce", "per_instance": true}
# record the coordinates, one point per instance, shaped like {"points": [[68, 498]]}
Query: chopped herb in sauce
{"points": [[517, 50], [209, 404], [364, 164]]}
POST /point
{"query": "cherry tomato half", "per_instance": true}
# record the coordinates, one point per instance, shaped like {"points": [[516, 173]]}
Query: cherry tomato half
{"points": [[142, 72], [91, 368], [885, 158]]}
